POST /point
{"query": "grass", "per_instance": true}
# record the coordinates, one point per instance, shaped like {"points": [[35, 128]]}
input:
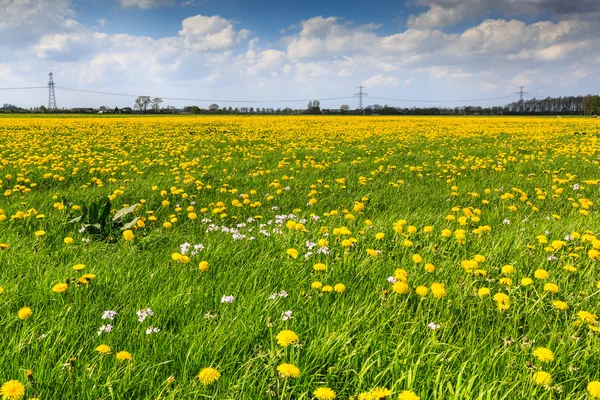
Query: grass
{"points": [[413, 169]]}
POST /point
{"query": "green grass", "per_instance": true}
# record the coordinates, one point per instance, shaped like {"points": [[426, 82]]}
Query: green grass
{"points": [[367, 337]]}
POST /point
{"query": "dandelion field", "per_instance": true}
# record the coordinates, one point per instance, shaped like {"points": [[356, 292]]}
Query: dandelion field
{"points": [[299, 258]]}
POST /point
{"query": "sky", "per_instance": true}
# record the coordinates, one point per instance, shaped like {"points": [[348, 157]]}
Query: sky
{"points": [[419, 52]]}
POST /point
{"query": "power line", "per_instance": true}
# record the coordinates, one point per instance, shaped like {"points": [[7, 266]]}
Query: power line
{"points": [[202, 100], [24, 88], [441, 101], [360, 96]]}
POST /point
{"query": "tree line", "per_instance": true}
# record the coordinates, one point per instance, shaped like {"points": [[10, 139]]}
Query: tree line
{"points": [[568, 105]]}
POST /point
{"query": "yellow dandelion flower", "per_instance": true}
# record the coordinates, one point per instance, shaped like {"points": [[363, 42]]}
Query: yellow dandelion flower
{"points": [[12, 390], [103, 349], [124, 355], [24, 312], [560, 305], [324, 393], [292, 253], [288, 370], [60, 287], [320, 267], [543, 354], [400, 287], [128, 235], [422, 290], [594, 389], [286, 337], [542, 378], [208, 375], [408, 395]]}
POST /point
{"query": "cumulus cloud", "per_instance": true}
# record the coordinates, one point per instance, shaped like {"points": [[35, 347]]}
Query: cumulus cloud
{"points": [[23, 21], [330, 35], [202, 33], [442, 13]]}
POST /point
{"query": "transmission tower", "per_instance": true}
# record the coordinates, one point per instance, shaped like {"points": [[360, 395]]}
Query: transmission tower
{"points": [[360, 96], [521, 93], [51, 95]]}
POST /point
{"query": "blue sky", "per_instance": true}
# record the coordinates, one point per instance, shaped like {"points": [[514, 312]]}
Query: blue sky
{"points": [[270, 50]]}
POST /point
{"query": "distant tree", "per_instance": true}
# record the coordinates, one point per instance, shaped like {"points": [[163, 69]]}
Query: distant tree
{"points": [[156, 104], [213, 108], [191, 109], [314, 107], [141, 103], [43, 109], [116, 110], [344, 108]]}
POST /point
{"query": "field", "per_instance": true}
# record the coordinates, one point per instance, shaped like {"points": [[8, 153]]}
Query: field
{"points": [[299, 258]]}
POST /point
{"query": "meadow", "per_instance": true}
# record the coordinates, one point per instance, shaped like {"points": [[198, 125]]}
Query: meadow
{"points": [[299, 258]]}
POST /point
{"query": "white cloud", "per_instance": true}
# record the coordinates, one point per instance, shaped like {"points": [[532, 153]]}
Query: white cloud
{"points": [[145, 4], [381, 80], [442, 13], [325, 36], [202, 33]]}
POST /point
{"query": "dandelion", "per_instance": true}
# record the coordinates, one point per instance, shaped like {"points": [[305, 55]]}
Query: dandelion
{"points": [[339, 288], [103, 349], [12, 390], [124, 356], [24, 312], [128, 235], [400, 287], [594, 389], [60, 287], [560, 305], [526, 281], [68, 241], [551, 287], [541, 274], [203, 266], [324, 393], [208, 375], [40, 233], [286, 337], [292, 253], [422, 291], [288, 370], [542, 378], [320, 267], [543, 354], [438, 290], [408, 395], [78, 267]]}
